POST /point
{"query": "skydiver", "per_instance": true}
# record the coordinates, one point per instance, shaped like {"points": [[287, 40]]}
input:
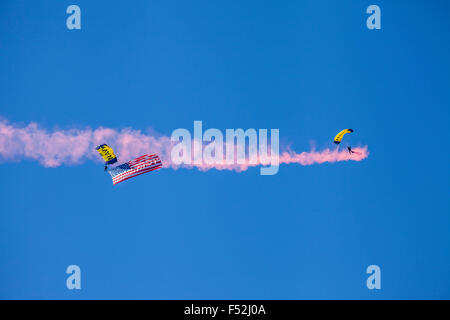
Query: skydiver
{"points": [[106, 168], [351, 151]]}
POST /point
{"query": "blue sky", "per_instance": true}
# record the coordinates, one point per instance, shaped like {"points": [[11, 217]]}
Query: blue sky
{"points": [[309, 68]]}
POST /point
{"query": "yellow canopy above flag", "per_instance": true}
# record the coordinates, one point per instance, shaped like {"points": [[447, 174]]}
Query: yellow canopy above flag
{"points": [[107, 153]]}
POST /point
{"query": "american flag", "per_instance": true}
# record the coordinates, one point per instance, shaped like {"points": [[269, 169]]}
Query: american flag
{"points": [[133, 168]]}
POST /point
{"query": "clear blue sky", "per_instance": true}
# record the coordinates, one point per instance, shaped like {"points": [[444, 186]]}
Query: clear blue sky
{"points": [[309, 68]]}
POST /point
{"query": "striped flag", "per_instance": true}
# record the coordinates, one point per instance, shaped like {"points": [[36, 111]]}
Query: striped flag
{"points": [[133, 168]]}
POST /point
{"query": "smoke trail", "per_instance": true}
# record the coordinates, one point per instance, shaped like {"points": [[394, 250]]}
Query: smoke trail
{"points": [[75, 146]]}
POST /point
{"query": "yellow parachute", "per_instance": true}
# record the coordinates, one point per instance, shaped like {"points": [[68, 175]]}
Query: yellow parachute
{"points": [[341, 134], [107, 153]]}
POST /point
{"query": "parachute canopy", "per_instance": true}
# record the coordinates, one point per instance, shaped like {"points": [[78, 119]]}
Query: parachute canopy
{"points": [[341, 134], [107, 153]]}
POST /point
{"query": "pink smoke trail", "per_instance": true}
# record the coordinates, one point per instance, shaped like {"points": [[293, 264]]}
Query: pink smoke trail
{"points": [[74, 146]]}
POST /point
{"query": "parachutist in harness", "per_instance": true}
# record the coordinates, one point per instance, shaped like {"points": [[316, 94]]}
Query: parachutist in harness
{"points": [[107, 154], [351, 151], [338, 139]]}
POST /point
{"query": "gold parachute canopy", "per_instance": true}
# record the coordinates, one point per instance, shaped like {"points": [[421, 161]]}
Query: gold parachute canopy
{"points": [[107, 153], [341, 134]]}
